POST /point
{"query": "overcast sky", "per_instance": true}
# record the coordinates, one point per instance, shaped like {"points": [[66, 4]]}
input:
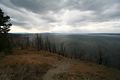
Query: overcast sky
{"points": [[63, 16]]}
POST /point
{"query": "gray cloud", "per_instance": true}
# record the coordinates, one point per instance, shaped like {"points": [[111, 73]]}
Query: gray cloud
{"points": [[39, 5], [98, 6], [47, 14]]}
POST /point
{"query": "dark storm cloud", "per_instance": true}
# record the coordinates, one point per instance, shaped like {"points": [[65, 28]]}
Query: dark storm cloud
{"points": [[38, 5], [95, 5]]}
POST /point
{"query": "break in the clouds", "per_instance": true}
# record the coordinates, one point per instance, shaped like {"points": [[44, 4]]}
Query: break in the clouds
{"points": [[68, 16]]}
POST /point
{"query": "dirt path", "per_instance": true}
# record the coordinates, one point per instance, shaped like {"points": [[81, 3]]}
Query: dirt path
{"points": [[60, 68]]}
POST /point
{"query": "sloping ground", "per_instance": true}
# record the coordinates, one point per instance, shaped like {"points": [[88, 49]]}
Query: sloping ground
{"points": [[42, 65], [60, 68], [82, 70], [26, 65]]}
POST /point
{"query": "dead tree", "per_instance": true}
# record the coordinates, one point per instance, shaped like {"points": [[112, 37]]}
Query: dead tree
{"points": [[100, 56]]}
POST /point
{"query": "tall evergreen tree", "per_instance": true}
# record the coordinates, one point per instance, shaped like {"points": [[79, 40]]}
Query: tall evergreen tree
{"points": [[4, 29], [4, 23]]}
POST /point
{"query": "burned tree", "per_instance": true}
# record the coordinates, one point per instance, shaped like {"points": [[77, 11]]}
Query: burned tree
{"points": [[100, 56], [39, 42]]}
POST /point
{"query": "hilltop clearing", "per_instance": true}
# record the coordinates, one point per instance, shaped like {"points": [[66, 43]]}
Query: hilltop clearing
{"points": [[42, 65]]}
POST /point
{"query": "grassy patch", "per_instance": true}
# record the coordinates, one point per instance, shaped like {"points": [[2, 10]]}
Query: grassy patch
{"points": [[23, 71], [76, 76]]}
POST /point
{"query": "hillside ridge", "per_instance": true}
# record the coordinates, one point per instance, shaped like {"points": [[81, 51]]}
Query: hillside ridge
{"points": [[43, 65]]}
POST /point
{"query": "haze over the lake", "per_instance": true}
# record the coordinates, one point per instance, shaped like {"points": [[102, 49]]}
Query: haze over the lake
{"points": [[63, 16]]}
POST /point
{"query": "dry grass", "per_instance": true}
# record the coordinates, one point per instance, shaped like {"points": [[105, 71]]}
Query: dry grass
{"points": [[31, 57], [76, 76], [33, 65], [85, 76], [84, 70], [23, 71], [92, 71], [26, 65]]}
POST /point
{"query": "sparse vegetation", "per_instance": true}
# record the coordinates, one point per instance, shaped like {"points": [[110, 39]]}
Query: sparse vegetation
{"points": [[85, 49], [23, 71], [33, 65]]}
